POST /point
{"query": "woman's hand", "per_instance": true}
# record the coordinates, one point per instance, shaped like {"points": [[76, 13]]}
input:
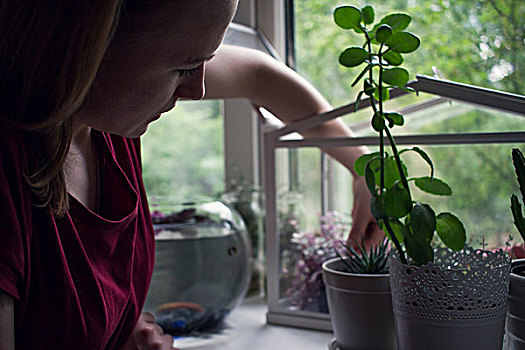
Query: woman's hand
{"points": [[148, 335], [363, 223]]}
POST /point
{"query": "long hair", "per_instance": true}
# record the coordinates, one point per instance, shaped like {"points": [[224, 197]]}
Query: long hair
{"points": [[50, 52]]}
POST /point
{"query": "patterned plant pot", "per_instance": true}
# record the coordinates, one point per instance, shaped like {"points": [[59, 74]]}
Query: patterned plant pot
{"points": [[360, 308], [457, 302], [516, 315]]}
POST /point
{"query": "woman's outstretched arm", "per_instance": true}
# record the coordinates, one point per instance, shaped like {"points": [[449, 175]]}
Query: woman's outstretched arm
{"points": [[237, 72]]}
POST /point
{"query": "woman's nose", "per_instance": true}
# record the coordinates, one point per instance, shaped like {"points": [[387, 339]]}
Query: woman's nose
{"points": [[192, 87]]}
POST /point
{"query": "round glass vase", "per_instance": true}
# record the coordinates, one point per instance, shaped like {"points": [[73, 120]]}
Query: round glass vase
{"points": [[202, 265]]}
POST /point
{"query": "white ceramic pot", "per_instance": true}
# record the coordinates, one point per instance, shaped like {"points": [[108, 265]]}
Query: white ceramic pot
{"points": [[458, 302]]}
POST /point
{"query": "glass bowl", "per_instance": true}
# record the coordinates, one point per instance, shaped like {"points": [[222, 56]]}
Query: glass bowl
{"points": [[202, 265]]}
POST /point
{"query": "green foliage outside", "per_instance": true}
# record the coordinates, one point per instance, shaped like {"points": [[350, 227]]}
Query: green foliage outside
{"points": [[182, 152], [479, 42], [474, 42]]}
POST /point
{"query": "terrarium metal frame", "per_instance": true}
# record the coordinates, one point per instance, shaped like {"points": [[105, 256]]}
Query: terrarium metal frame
{"points": [[273, 140]]}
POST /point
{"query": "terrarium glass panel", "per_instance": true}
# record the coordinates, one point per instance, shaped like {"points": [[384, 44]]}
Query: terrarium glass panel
{"points": [[303, 228], [481, 177], [443, 116]]}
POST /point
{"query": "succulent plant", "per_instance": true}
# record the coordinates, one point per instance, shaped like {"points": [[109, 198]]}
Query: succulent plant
{"points": [[515, 206], [360, 260]]}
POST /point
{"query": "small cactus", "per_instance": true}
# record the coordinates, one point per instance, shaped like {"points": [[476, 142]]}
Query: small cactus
{"points": [[515, 206]]}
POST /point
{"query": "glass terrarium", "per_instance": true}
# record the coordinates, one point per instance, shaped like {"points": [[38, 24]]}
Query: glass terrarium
{"points": [[202, 265], [468, 130]]}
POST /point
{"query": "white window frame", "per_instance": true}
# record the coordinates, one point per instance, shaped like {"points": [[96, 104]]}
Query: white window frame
{"points": [[242, 123]]}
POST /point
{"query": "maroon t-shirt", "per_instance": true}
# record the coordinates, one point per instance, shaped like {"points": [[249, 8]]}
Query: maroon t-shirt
{"points": [[79, 281]]}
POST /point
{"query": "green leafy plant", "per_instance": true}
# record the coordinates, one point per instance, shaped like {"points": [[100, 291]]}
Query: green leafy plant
{"points": [[519, 166], [373, 261], [409, 224]]}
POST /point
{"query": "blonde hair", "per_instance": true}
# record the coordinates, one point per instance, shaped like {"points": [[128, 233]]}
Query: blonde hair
{"points": [[50, 52]]}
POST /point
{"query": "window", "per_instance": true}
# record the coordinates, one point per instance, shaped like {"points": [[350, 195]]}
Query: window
{"points": [[183, 152], [473, 42], [462, 41]]}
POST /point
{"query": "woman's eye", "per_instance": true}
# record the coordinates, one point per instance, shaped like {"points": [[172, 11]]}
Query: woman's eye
{"points": [[188, 72]]}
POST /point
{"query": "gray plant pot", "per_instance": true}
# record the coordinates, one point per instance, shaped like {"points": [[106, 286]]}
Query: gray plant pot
{"points": [[457, 302], [516, 311], [360, 308]]}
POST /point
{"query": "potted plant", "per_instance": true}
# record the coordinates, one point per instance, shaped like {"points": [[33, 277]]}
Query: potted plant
{"points": [[359, 298], [453, 297], [516, 311]]}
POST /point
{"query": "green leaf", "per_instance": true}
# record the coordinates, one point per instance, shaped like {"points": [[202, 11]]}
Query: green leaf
{"points": [[517, 214], [433, 186], [378, 122], [393, 58], [426, 157], [383, 33], [395, 76], [368, 88], [358, 100], [347, 17], [518, 160], [397, 202], [360, 163], [369, 178], [419, 249], [423, 155], [403, 42], [375, 207], [409, 89], [368, 14], [422, 220], [363, 72], [398, 228], [396, 21], [396, 118], [391, 172], [353, 56], [451, 231], [385, 95]]}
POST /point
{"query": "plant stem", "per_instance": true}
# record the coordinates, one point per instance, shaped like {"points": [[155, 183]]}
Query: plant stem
{"points": [[396, 242], [381, 136], [398, 161], [370, 73]]}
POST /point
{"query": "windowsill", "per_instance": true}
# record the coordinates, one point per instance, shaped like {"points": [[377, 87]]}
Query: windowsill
{"points": [[248, 330]]}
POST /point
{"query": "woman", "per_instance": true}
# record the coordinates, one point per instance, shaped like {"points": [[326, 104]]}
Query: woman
{"points": [[80, 82]]}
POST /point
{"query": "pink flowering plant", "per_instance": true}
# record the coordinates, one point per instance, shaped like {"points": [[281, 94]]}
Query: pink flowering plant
{"points": [[312, 249]]}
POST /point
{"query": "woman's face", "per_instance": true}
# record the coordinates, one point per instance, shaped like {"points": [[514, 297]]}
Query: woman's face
{"points": [[140, 78]]}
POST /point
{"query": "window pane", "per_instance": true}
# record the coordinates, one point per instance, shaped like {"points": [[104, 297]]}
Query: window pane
{"points": [[183, 152]]}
